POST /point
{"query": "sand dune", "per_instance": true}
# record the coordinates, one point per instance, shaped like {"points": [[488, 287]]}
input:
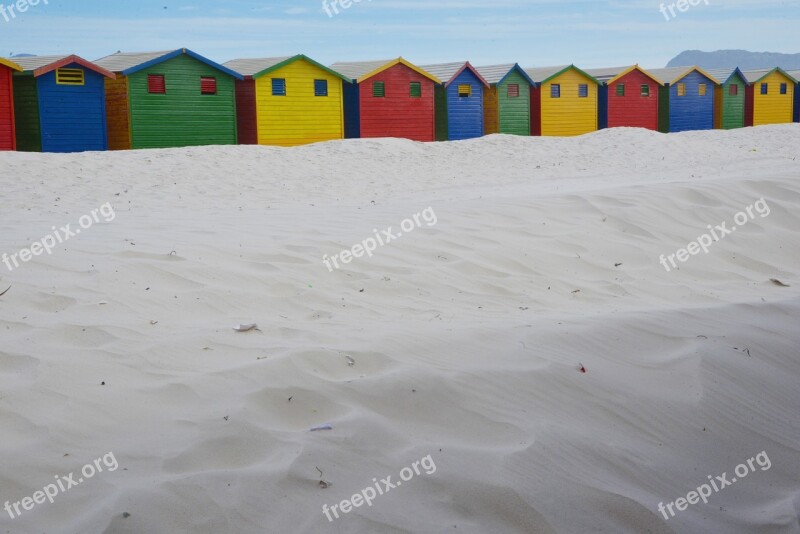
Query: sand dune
{"points": [[461, 340]]}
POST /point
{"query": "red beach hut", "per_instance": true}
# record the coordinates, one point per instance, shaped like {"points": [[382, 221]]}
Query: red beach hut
{"points": [[7, 132], [631, 97]]}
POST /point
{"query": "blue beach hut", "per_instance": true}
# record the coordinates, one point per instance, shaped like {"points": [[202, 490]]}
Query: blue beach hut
{"points": [[458, 101], [686, 100]]}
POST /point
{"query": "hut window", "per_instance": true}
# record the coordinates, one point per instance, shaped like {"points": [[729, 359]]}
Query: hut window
{"points": [[379, 90], [208, 85], [583, 90], [620, 89], [702, 89], [784, 89], [645, 89], [156, 84], [764, 88], [555, 90], [465, 90], [416, 90], [278, 86], [681, 89], [513, 90], [320, 87], [733, 90], [70, 77]]}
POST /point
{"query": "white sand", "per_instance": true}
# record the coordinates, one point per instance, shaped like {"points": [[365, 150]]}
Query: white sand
{"points": [[466, 337]]}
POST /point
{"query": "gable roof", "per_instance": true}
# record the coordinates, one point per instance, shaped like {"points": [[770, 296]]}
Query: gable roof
{"points": [[755, 76], [671, 75], [447, 72], [794, 74], [545, 74], [363, 70], [10, 64], [130, 63], [496, 74], [725, 75], [610, 75], [40, 65], [257, 67]]}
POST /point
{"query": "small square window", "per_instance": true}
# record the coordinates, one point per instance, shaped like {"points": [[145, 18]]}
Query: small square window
{"points": [[583, 90], [681, 89], [620, 89], [378, 89], [764, 88], [208, 86], [702, 89], [645, 89], [156, 84], [464, 90], [416, 90], [733, 90], [784, 89], [320, 87], [278, 86], [555, 90], [70, 77], [513, 90]]}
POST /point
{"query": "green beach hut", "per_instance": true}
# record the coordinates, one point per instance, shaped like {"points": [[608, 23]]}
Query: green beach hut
{"points": [[729, 104]]}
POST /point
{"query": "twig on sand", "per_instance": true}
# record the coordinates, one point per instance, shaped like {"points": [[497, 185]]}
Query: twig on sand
{"points": [[778, 282], [6, 291]]}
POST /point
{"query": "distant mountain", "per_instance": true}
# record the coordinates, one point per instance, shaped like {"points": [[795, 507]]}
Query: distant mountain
{"points": [[743, 59]]}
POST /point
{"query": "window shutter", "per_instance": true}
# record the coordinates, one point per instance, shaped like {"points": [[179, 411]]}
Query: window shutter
{"points": [[620, 89], [513, 90], [784, 89], [681, 89], [702, 89], [156, 84], [465, 90], [379, 90], [764, 88], [278, 87], [416, 90], [555, 90], [583, 90], [70, 77], [208, 86], [320, 87], [733, 90], [645, 89]]}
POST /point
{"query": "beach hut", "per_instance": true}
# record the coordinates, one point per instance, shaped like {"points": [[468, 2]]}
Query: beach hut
{"points": [[564, 101], [796, 75], [288, 101], [7, 134], [459, 101], [686, 100], [506, 103], [168, 99], [389, 98], [59, 104], [770, 98], [628, 97], [729, 99]]}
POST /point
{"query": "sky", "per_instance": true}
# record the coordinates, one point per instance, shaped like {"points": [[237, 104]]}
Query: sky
{"points": [[587, 33]]}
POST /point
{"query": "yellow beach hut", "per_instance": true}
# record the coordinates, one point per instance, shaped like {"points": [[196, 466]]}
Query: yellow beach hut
{"points": [[288, 101], [564, 101], [771, 97]]}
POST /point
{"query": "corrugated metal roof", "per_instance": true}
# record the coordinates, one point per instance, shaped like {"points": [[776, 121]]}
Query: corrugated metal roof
{"points": [[37, 62], [494, 73], [249, 67], [444, 71], [123, 61], [755, 75], [794, 74], [607, 73], [723, 74], [357, 69], [542, 73], [670, 74]]}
